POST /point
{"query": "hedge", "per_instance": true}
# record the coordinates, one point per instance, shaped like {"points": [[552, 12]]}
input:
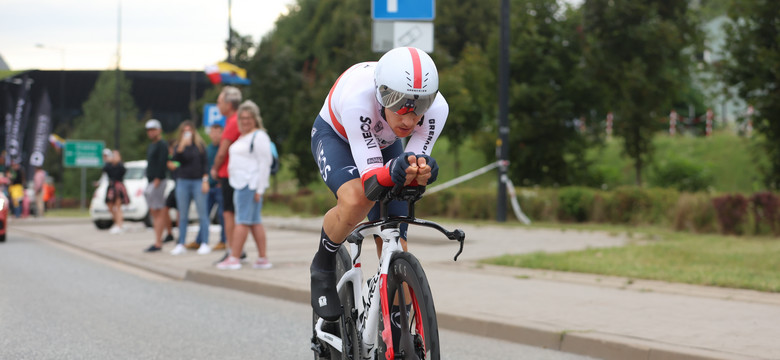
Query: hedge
{"points": [[758, 214]]}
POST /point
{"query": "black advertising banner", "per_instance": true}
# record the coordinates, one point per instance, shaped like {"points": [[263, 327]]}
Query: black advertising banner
{"points": [[21, 111], [8, 118], [42, 120]]}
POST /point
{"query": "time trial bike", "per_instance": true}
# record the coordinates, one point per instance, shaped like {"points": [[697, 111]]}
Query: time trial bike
{"points": [[392, 315]]}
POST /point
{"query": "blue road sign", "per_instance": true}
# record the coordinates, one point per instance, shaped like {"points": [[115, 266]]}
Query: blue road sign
{"points": [[403, 9], [212, 116]]}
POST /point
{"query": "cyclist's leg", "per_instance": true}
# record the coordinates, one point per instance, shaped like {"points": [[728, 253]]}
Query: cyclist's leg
{"points": [[338, 170]]}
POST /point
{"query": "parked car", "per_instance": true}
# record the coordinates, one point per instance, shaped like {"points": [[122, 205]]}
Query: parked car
{"points": [[4, 204], [135, 182]]}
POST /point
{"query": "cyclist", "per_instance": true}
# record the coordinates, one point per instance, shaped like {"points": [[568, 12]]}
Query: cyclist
{"points": [[354, 141]]}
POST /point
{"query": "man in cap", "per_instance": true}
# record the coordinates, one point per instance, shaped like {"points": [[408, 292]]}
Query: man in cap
{"points": [[156, 158]]}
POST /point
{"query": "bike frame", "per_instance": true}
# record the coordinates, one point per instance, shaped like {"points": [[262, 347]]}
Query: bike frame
{"points": [[368, 301], [368, 308]]}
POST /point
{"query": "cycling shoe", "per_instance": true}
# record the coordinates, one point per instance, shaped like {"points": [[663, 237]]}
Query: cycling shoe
{"points": [[324, 297]]}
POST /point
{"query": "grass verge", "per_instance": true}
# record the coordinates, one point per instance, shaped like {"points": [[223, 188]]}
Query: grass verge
{"points": [[712, 260]]}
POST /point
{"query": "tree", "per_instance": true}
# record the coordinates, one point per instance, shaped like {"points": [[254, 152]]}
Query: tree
{"points": [[99, 121], [639, 54], [753, 66], [546, 94]]}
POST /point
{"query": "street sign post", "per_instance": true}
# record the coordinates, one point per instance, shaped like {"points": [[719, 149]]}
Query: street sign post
{"points": [[403, 10], [83, 154]]}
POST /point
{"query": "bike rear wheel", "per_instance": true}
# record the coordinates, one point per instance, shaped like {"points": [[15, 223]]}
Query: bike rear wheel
{"points": [[419, 332], [348, 333]]}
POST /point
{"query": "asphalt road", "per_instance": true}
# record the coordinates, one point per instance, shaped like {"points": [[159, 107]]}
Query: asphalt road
{"points": [[61, 303]]}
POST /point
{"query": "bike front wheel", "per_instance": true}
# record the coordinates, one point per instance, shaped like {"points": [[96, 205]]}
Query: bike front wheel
{"points": [[412, 315]]}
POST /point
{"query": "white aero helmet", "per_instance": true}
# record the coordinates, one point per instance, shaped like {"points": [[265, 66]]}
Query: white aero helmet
{"points": [[406, 80]]}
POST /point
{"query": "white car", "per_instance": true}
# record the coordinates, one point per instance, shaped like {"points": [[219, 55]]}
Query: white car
{"points": [[135, 182]]}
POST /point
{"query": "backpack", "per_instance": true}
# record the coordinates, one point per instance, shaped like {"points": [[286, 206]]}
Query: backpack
{"points": [[275, 165]]}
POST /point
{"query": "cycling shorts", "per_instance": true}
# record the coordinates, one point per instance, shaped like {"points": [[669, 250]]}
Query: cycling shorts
{"points": [[334, 159]]}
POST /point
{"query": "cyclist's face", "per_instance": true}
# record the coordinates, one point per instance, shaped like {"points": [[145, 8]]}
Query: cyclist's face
{"points": [[402, 125]]}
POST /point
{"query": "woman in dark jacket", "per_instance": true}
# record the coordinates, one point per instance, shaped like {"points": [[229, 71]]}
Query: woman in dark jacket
{"points": [[192, 183], [116, 194]]}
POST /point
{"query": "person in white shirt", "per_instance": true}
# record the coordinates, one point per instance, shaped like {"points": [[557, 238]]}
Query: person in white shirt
{"points": [[249, 169]]}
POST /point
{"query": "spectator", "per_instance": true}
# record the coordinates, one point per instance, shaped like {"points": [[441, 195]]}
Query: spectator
{"points": [[192, 183], [39, 178], [215, 191], [227, 103], [49, 192], [16, 189], [116, 194], [249, 170], [156, 157]]}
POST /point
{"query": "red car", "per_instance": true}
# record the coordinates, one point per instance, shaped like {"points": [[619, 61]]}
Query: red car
{"points": [[3, 215]]}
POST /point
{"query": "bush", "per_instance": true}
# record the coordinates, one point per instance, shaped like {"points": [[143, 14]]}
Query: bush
{"points": [[681, 174], [695, 213], [765, 211], [575, 203], [731, 211], [626, 205]]}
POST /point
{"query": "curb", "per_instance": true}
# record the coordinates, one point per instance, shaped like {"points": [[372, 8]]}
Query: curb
{"points": [[593, 344]]}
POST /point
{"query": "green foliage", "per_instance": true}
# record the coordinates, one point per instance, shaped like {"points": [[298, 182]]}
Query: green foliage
{"points": [[98, 122], [311, 46], [751, 65], [681, 174], [732, 160], [575, 203], [547, 92], [636, 53]]}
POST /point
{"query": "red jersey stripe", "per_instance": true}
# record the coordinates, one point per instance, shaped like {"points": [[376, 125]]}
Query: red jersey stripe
{"points": [[417, 68], [333, 119]]}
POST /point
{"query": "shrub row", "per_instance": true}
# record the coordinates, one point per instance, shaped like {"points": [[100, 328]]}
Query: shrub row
{"points": [[694, 212]]}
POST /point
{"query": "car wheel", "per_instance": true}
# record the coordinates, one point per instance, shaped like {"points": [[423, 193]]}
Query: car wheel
{"points": [[103, 224]]}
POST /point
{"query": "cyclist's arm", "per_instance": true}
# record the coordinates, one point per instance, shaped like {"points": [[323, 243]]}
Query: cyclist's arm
{"points": [[424, 137]]}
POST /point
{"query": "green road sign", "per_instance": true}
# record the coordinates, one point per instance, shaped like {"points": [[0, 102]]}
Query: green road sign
{"points": [[83, 153]]}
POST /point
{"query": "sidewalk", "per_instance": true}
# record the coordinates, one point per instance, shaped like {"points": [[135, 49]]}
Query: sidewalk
{"points": [[602, 317]]}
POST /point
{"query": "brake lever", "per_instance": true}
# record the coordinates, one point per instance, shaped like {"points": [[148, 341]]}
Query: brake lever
{"points": [[460, 236]]}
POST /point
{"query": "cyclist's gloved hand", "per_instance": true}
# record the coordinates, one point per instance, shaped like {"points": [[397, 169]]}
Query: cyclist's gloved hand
{"points": [[398, 168], [430, 162]]}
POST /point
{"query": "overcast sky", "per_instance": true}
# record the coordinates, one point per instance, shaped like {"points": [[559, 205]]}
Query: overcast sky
{"points": [[155, 34]]}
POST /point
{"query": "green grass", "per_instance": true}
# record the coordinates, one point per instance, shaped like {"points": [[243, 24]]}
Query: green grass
{"points": [[67, 213], [712, 260], [733, 160]]}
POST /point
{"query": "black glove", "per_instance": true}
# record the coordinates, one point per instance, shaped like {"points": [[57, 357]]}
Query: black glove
{"points": [[434, 167], [398, 168]]}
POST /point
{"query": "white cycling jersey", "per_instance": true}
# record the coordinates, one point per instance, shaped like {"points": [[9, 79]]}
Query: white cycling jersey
{"points": [[353, 111]]}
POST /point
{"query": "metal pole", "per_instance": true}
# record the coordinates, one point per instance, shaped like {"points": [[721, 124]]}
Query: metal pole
{"points": [[83, 187], [118, 74], [503, 111], [230, 35]]}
